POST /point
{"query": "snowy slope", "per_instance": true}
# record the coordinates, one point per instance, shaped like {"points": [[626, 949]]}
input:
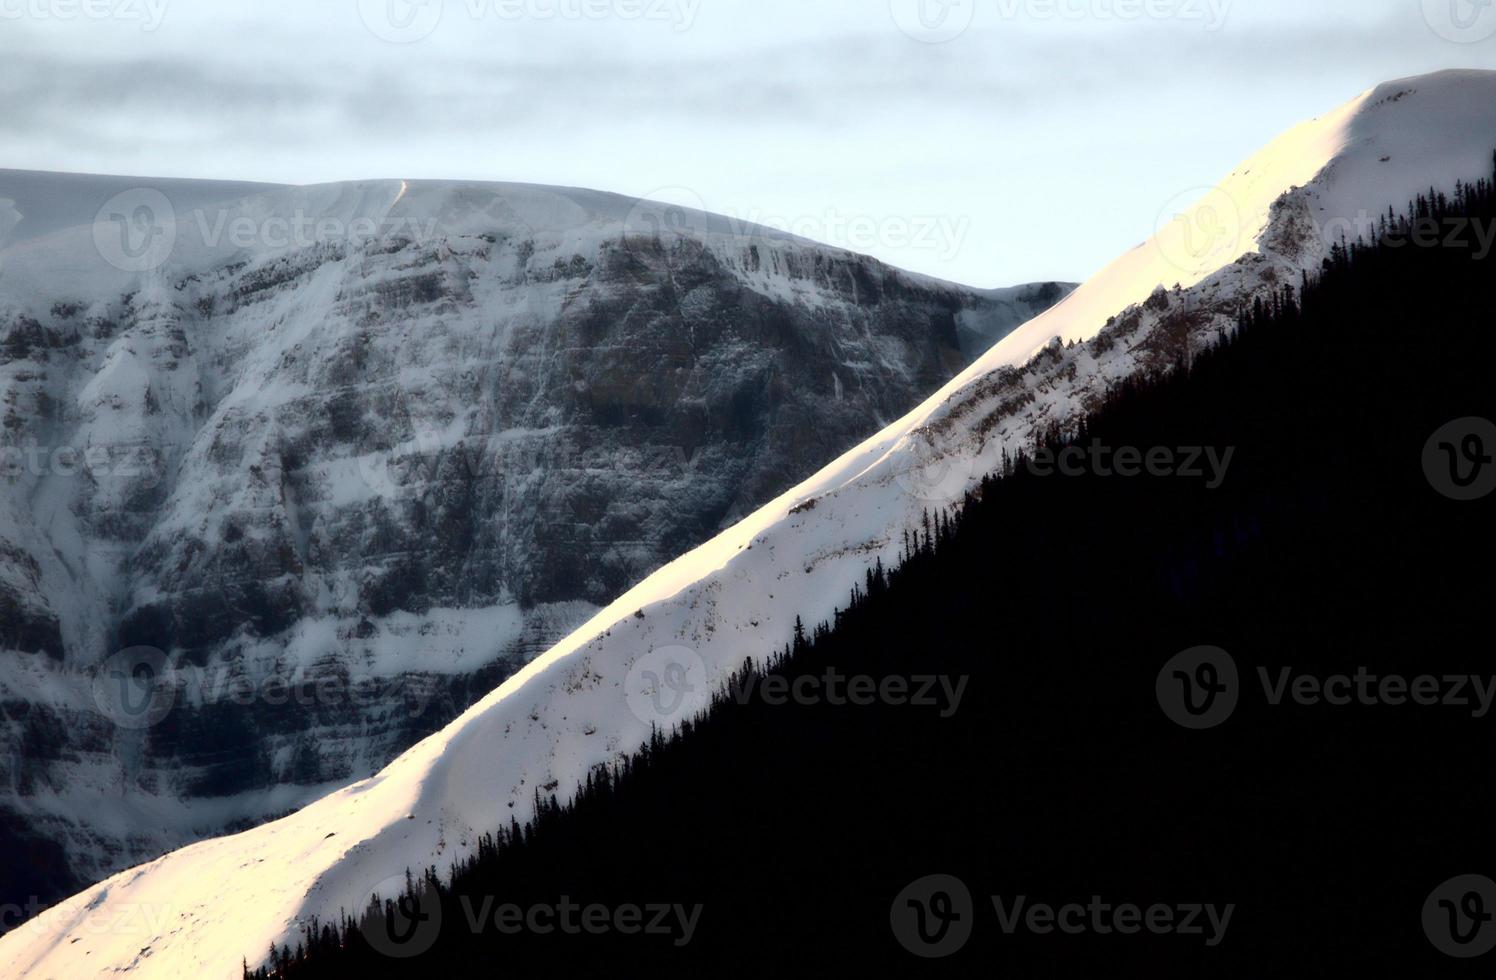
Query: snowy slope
{"points": [[197, 911]]}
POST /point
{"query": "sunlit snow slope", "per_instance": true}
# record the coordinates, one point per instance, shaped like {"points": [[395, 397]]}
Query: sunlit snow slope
{"points": [[197, 911]]}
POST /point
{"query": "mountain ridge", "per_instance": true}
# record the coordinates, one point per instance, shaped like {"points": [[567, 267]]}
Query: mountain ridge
{"points": [[800, 554], [381, 467]]}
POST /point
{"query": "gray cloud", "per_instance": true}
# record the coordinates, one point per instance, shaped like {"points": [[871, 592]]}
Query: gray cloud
{"points": [[788, 110]]}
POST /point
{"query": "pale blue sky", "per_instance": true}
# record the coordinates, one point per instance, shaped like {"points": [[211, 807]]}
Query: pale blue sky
{"points": [[1040, 141]]}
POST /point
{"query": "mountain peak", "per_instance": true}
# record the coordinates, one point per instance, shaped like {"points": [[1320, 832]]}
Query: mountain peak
{"points": [[798, 556]]}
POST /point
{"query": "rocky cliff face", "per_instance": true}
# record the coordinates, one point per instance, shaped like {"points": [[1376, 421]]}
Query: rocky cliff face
{"points": [[291, 477]]}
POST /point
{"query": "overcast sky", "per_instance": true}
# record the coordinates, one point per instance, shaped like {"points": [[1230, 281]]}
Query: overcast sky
{"points": [[986, 141]]}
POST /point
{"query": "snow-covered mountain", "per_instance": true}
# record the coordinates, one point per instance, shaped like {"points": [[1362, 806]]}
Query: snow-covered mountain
{"points": [[593, 695], [337, 460]]}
